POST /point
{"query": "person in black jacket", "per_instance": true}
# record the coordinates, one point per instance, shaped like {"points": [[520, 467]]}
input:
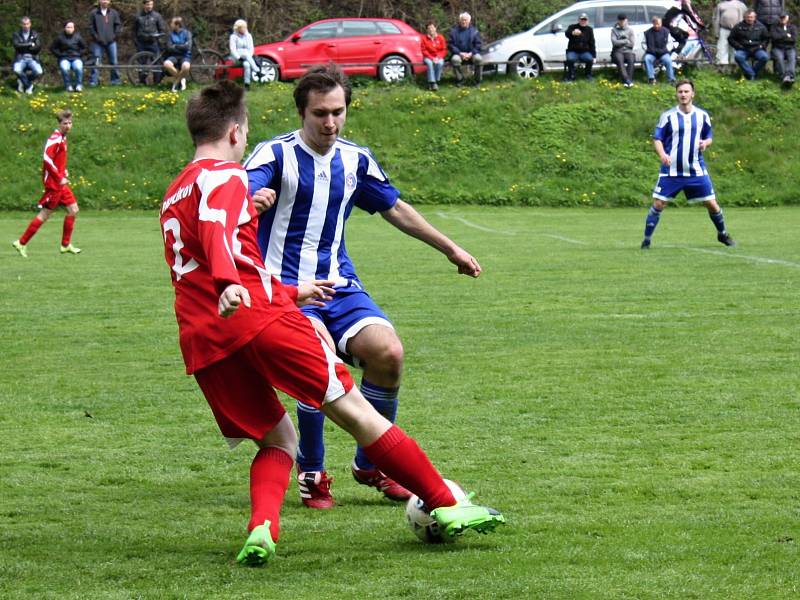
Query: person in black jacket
{"points": [[768, 12], [104, 26], [27, 45], [657, 40], [749, 39], [148, 31], [69, 48], [784, 49], [580, 47]]}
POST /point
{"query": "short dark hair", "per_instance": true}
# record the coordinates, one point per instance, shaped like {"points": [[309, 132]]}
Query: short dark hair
{"points": [[63, 115], [681, 82], [211, 112], [321, 78]]}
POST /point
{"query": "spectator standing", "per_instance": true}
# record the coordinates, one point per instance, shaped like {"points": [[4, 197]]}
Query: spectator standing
{"points": [[69, 48], [784, 49], [580, 47], [769, 12], [656, 40], [104, 26], [727, 14], [179, 53], [749, 39], [27, 45], [148, 29], [623, 40], [56, 189], [242, 49], [434, 49], [465, 47]]}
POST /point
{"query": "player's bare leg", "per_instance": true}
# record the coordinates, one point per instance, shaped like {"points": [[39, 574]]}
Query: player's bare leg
{"points": [[380, 353], [269, 480], [715, 214]]}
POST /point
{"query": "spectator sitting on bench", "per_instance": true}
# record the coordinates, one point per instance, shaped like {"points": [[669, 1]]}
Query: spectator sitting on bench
{"points": [[657, 40], [27, 45]]}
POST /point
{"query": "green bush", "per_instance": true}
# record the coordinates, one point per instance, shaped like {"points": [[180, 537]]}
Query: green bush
{"points": [[509, 142]]}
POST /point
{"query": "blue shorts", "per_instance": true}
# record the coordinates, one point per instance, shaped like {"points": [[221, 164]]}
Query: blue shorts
{"points": [[348, 312], [696, 189]]}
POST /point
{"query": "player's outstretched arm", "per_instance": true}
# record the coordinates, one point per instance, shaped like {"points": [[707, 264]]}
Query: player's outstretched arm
{"points": [[231, 298], [315, 292], [409, 221]]}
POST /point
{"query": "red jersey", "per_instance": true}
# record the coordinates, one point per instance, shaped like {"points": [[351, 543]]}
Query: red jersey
{"points": [[209, 225], [54, 161], [434, 48]]}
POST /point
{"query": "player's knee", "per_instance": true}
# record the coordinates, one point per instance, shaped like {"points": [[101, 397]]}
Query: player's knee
{"points": [[283, 436], [389, 358]]}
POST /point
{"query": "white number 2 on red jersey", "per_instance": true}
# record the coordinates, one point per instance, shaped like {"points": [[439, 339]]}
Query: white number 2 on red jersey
{"points": [[178, 266]]}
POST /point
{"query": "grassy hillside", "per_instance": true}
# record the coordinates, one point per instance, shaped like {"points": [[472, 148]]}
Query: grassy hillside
{"points": [[538, 143]]}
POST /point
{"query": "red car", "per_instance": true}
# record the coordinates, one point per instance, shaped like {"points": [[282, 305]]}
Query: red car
{"points": [[355, 44]]}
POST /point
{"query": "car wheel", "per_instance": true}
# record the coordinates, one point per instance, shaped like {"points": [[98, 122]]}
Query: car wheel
{"points": [[268, 71], [394, 68], [525, 65]]}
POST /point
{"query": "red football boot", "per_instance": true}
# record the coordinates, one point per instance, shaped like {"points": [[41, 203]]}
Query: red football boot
{"points": [[315, 489], [380, 481]]}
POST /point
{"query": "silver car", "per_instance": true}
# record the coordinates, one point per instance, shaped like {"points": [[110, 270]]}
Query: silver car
{"points": [[544, 46]]}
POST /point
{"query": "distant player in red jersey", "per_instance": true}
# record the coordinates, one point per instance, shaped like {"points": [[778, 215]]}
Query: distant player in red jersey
{"points": [[242, 335], [56, 189]]}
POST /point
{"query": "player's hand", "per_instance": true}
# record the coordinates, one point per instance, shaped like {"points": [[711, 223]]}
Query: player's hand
{"points": [[704, 144], [231, 298], [466, 263], [263, 199], [64, 181], [315, 292], [665, 160]]}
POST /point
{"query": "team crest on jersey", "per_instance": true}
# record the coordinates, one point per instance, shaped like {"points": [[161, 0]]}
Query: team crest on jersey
{"points": [[350, 181]]}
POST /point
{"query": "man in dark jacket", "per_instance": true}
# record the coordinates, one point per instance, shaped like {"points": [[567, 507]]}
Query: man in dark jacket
{"points": [[657, 51], [749, 39], [104, 26], [27, 45], [784, 49], [69, 48], [769, 11], [148, 30], [465, 46], [580, 47]]}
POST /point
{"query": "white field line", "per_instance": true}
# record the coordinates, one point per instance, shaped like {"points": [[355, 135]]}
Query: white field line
{"points": [[759, 259], [565, 239], [444, 215]]}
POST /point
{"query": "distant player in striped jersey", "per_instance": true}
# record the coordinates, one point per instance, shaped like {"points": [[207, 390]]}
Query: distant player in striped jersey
{"points": [[56, 189], [681, 136], [241, 335], [311, 179]]}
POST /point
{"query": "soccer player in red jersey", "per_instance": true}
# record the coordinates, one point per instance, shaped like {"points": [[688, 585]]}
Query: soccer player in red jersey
{"points": [[56, 189], [242, 335]]}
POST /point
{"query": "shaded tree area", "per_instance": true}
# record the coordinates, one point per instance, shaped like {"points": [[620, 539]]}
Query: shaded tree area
{"points": [[273, 20]]}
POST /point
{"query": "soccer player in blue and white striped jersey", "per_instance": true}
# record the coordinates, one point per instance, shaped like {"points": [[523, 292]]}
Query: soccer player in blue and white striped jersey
{"points": [[681, 136], [307, 182]]}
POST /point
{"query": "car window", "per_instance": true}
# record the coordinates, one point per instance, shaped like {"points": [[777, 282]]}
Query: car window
{"points": [[654, 10], [636, 15], [359, 28], [388, 28], [608, 16], [561, 23], [320, 31]]}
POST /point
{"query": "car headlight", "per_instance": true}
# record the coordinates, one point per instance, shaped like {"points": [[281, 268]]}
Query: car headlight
{"points": [[495, 47]]}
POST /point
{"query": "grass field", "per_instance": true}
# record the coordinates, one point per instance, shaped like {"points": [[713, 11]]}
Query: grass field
{"points": [[634, 414]]}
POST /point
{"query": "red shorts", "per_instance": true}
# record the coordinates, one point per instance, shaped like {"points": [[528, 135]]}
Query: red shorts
{"points": [[52, 199], [288, 355]]}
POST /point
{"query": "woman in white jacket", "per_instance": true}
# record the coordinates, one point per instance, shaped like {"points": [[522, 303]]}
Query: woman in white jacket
{"points": [[241, 47]]}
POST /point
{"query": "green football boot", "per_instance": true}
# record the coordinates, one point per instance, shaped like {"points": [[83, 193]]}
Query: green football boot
{"points": [[455, 520], [259, 547], [21, 248]]}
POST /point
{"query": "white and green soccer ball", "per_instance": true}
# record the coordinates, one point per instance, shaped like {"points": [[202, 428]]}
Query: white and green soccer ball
{"points": [[419, 519]]}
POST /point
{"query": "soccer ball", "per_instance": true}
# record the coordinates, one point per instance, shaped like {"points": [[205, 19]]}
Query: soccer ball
{"points": [[419, 519]]}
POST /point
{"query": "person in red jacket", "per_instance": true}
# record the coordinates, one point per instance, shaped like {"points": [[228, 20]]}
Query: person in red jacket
{"points": [[56, 189], [434, 49]]}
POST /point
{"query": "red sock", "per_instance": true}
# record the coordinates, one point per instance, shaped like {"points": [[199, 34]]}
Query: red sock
{"points": [[269, 479], [33, 227], [401, 458], [66, 232]]}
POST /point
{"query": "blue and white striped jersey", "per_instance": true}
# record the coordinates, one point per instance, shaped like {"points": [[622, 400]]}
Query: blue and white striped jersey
{"points": [[681, 134], [302, 236]]}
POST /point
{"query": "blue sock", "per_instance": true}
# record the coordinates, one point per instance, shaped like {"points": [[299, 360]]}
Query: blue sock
{"points": [[718, 220], [385, 402], [311, 445], [653, 215]]}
